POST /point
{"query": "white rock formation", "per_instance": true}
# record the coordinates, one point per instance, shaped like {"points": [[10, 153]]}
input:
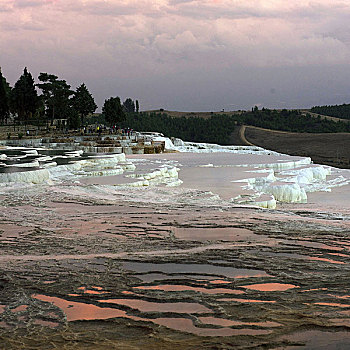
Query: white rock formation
{"points": [[34, 176]]}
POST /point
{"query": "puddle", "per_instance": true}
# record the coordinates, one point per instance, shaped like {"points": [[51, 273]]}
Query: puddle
{"points": [[247, 300], [332, 304], [207, 269], [81, 311], [147, 306], [186, 325], [229, 323], [326, 260], [215, 234], [317, 340], [316, 245], [340, 296], [20, 308], [126, 292], [95, 291], [183, 288], [339, 254], [219, 282], [270, 287], [312, 290], [153, 277], [97, 288]]}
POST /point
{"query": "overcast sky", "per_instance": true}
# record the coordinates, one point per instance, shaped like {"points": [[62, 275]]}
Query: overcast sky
{"points": [[185, 55]]}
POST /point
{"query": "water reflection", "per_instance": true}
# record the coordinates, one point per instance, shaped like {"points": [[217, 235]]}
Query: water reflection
{"points": [[147, 306], [332, 304], [207, 269], [186, 325], [184, 288], [222, 234], [247, 300], [20, 308], [316, 340], [81, 311], [230, 323], [325, 260], [94, 291], [219, 282], [270, 287]]}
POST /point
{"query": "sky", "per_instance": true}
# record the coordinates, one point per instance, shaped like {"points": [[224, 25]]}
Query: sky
{"points": [[185, 55]]}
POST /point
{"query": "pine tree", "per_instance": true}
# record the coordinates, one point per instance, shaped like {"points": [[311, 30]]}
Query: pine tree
{"points": [[56, 95], [24, 98], [4, 99], [83, 102], [137, 106]]}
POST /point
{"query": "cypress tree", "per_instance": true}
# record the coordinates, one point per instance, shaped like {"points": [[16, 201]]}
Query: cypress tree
{"points": [[83, 102], [24, 97]]}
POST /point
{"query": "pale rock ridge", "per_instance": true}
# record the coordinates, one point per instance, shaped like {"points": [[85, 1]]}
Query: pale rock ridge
{"points": [[166, 174], [34, 176]]}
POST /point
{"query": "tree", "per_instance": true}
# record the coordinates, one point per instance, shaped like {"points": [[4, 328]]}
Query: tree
{"points": [[24, 98], [4, 99], [129, 105], [113, 111], [73, 119], [137, 106], [56, 95], [83, 102]]}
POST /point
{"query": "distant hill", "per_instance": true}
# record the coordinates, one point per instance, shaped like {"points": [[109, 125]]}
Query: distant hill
{"points": [[205, 115], [330, 149], [219, 127]]}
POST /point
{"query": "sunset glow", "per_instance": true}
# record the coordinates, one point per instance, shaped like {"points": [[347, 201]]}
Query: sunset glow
{"points": [[184, 48]]}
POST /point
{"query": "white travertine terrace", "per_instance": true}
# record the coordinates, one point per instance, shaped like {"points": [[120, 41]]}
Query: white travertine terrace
{"points": [[34, 176], [237, 174]]}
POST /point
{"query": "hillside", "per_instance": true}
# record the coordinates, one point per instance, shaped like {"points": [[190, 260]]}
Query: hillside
{"points": [[204, 115], [329, 148]]}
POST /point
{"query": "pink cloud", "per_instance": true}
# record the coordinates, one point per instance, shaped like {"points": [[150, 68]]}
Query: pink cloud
{"points": [[143, 38]]}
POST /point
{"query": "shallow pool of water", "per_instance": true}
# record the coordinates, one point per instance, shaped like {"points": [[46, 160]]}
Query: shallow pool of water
{"points": [[213, 270]]}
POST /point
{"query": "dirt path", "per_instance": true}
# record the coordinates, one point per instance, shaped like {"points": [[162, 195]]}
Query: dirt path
{"points": [[242, 136]]}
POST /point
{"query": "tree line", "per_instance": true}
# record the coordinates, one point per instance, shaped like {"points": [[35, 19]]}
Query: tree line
{"points": [[22, 103], [290, 120], [57, 100], [338, 111], [219, 127], [216, 129]]}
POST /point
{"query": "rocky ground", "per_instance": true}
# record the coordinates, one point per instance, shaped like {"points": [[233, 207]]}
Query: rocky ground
{"points": [[78, 272]]}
